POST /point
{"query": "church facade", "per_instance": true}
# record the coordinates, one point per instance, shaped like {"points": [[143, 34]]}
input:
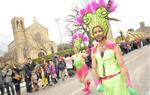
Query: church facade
{"points": [[143, 28], [32, 41]]}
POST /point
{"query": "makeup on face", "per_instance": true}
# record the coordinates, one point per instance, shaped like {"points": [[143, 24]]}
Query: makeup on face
{"points": [[98, 33]]}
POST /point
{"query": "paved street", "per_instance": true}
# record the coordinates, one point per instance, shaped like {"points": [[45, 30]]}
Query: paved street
{"points": [[138, 63]]}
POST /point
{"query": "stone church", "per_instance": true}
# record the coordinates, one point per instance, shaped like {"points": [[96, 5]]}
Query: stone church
{"points": [[143, 28], [32, 41]]}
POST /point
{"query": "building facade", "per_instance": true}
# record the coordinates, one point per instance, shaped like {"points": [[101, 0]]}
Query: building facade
{"points": [[32, 41], [143, 28]]}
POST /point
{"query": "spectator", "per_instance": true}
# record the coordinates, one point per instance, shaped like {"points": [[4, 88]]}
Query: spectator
{"points": [[27, 75], [62, 66], [1, 83], [52, 71], [44, 74], [56, 62], [7, 73], [16, 79], [69, 66], [35, 79]]}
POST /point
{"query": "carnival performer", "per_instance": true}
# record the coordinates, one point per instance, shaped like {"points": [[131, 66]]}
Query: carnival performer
{"points": [[79, 41], [108, 66]]}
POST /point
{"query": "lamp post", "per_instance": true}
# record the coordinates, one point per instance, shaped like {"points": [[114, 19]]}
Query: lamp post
{"points": [[57, 20]]}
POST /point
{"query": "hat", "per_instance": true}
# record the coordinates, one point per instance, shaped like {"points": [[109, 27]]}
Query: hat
{"points": [[96, 14]]}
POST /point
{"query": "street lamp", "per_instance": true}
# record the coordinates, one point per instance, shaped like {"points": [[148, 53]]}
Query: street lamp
{"points": [[57, 20]]}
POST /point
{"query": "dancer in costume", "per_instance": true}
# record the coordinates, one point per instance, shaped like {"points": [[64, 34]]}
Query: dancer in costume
{"points": [[79, 41], [111, 74]]}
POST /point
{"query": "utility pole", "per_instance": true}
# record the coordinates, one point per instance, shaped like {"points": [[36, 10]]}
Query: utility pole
{"points": [[57, 20]]}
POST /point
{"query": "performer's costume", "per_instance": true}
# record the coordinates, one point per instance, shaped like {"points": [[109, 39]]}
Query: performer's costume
{"points": [[109, 71], [79, 41], [111, 81], [81, 68]]}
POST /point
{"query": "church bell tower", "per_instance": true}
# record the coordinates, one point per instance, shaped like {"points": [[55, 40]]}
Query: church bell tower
{"points": [[19, 37]]}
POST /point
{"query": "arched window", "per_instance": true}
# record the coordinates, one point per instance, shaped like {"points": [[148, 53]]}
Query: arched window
{"points": [[22, 26], [17, 24], [52, 49]]}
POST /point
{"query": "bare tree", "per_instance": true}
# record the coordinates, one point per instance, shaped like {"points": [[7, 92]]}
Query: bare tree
{"points": [[72, 27], [11, 57]]}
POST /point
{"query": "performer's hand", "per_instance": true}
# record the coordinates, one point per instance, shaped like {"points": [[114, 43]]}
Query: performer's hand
{"points": [[100, 88], [132, 91]]}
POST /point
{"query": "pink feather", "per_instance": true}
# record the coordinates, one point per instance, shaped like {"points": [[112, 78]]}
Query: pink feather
{"points": [[113, 8], [94, 5], [85, 39], [74, 36], [110, 44], [88, 8], [102, 3], [79, 20], [83, 12], [80, 35]]}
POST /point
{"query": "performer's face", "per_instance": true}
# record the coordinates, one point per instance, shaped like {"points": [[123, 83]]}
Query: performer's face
{"points": [[75, 49], [98, 33]]}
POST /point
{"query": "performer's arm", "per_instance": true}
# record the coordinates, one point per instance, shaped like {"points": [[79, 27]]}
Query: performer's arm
{"points": [[84, 55], [94, 66], [69, 58], [124, 70], [96, 76]]}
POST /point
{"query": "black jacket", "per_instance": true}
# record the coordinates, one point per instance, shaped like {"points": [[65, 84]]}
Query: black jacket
{"points": [[1, 78], [27, 71]]}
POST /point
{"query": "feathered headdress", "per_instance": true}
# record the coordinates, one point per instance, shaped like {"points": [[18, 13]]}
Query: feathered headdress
{"points": [[96, 14], [80, 40]]}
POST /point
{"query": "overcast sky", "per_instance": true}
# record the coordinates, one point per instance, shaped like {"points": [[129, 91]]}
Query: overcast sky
{"points": [[130, 12]]}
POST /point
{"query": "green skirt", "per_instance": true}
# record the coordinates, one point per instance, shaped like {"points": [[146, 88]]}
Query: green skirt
{"points": [[115, 86]]}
